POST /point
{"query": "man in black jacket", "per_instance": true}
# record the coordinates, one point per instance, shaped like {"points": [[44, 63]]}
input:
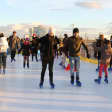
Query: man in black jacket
{"points": [[47, 51]]}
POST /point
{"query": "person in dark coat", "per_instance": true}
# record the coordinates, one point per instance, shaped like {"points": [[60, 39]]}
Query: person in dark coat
{"points": [[106, 53], [110, 68], [14, 44], [99, 43], [47, 51], [26, 49], [72, 50], [34, 47]]}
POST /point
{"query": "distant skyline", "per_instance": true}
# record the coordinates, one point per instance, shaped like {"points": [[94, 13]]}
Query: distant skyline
{"points": [[81, 13]]}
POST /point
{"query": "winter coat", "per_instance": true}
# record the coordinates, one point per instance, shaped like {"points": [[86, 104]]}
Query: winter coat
{"points": [[47, 47], [3, 45], [99, 43], [73, 46], [14, 42], [25, 49], [106, 54]]}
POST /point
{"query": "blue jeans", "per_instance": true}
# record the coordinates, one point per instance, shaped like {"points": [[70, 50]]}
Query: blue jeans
{"points": [[74, 63]]}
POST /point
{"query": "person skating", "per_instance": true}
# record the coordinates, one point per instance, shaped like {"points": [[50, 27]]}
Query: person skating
{"points": [[47, 56], [63, 56], [3, 52], [14, 44], [99, 42], [110, 68], [72, 47], [26, 49], [106, 53], [35, 46]]}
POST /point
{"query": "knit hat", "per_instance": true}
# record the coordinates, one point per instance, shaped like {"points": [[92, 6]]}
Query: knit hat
{"points": [[51, 30], [75, 30]]}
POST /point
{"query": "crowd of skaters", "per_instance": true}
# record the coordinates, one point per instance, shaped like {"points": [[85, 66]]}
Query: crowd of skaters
{"points": [[51, 47]]}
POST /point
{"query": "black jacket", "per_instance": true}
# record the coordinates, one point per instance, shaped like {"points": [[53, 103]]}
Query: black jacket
{"points": [[47, 47]]}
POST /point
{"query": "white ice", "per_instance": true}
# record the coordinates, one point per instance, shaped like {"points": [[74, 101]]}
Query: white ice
{"points": [[19, 91]]}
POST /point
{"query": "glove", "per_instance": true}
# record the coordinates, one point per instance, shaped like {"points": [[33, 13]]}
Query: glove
{"points": [[88, 55]]}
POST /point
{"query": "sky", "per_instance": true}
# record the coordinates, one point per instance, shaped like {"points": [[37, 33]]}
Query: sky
{"points": [[82, 13]]}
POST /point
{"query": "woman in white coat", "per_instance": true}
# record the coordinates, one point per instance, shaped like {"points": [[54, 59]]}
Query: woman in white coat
{"points": [[3, 52]]}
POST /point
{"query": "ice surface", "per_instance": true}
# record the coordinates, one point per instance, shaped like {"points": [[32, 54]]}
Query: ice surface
{"points": [[19, 91]]}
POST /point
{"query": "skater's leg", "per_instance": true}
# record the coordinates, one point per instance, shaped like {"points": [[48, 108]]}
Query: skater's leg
{"points": [[105, 70], [71, 60], [106, 73], [36, 56], [51, 71], [100, 74], [24, 61], [4, 62], [77, 65], [27, 61], [44, 66], [32, 56], [13, 53], [101, 70], [0, 62]]}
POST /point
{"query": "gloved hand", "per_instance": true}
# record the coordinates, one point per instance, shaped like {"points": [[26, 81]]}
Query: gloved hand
{"points": [[88, 55]]}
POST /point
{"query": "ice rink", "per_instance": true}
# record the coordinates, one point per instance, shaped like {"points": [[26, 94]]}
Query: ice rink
{"points": [[19, 91]]}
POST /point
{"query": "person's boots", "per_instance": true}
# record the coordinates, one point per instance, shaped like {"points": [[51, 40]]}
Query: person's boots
{"points": [[52, 85], [97, 69], [78, 83], [27, 65], [98, 80], [41, 85], [72, 80], [106, 79], [24, 64]]}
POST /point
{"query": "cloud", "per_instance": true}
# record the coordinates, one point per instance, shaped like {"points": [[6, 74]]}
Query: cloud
{"points": [[89, 5]]}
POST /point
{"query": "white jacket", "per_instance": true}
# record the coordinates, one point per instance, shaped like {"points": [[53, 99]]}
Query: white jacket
{"points": [[3, 44]]}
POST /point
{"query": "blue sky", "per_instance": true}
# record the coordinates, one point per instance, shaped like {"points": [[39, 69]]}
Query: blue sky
{"points": [[81, 13]]}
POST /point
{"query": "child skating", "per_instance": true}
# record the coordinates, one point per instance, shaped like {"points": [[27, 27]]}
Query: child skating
{"points": [[26, 48], [106, 52]]}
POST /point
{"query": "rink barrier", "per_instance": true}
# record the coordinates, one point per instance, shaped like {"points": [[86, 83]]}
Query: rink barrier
{"points": [[93, 61]]}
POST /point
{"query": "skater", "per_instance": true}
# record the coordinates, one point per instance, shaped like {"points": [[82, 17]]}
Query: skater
{"points": [[3, 52], [47, 55], [106, 53], [56, 47], [26, 49], [63, 56], [110, 68], [72, 47], [35, 46], [14, 44], [99, 42]]}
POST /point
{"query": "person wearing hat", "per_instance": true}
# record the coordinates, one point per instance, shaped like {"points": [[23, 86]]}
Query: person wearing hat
{"points": [[99, 42], [47, 52], [72, 48], [26, 49], [34, 46], [14, 44], [3, 52]]}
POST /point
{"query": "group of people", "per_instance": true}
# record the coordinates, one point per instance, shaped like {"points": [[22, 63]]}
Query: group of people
{"points": [[48, 45]]}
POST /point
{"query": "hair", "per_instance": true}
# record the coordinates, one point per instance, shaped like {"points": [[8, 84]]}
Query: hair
{"points": [[1, 35]]}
